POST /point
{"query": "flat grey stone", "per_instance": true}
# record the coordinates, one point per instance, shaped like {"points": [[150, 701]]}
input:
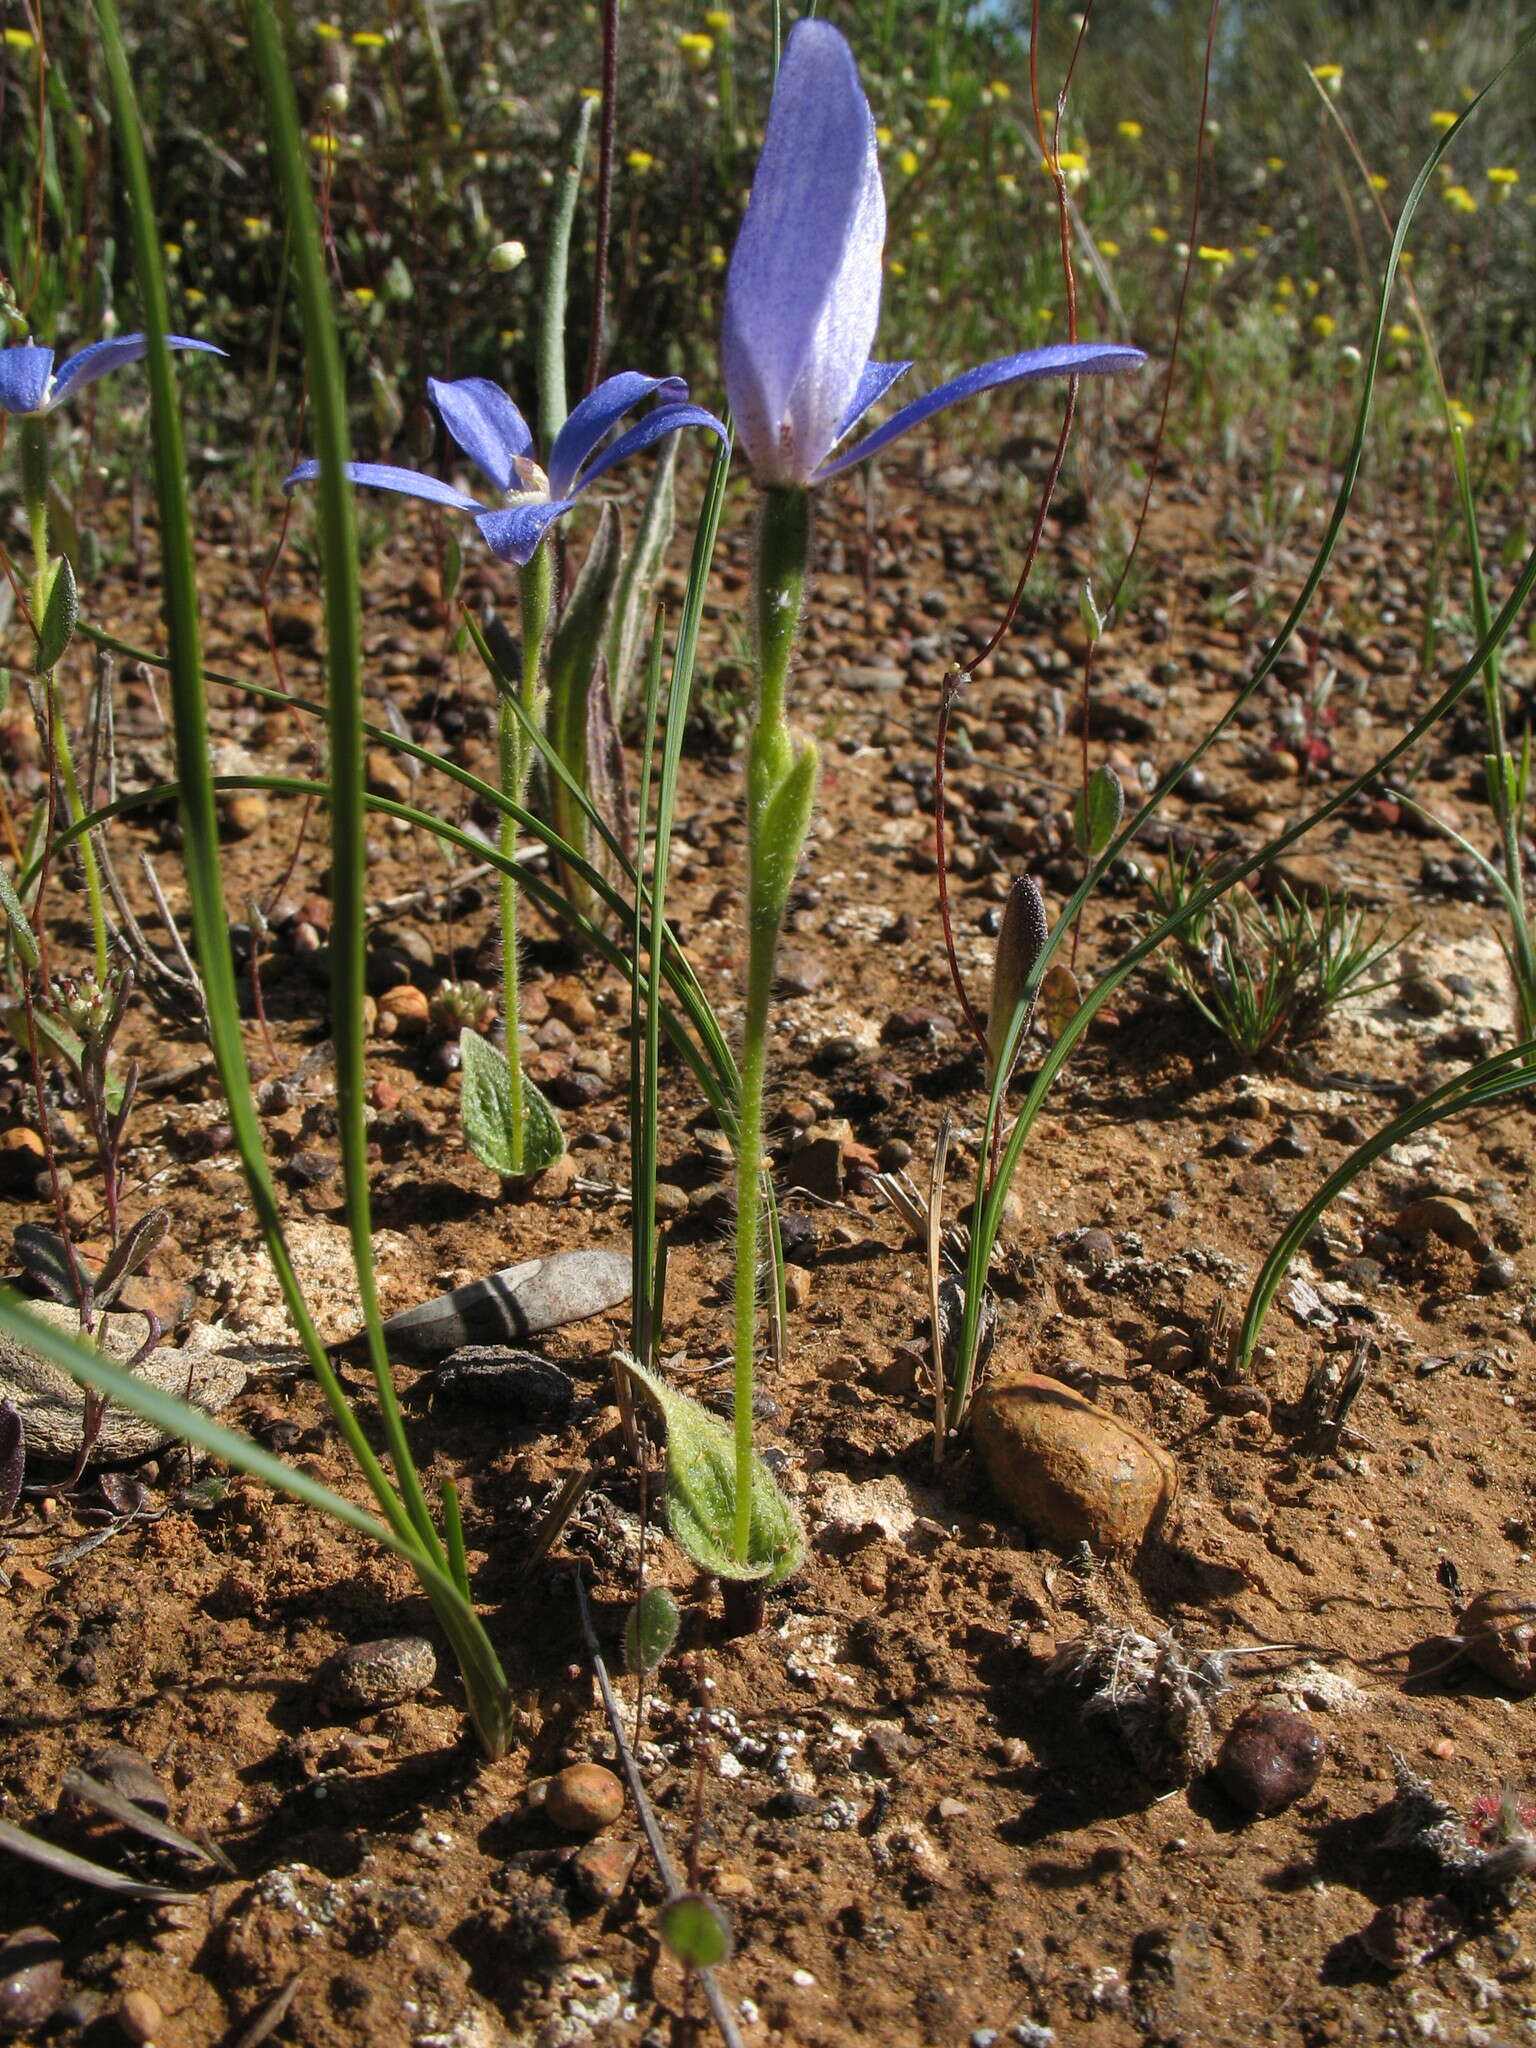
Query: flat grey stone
{"points": [[52, 1405]]}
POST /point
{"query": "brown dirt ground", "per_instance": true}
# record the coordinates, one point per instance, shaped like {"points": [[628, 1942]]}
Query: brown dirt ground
{"points": [[917, 1834]]}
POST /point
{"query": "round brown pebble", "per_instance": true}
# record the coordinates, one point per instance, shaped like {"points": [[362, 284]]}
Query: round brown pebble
{"points": [[31, 1980], [1069, 1470], [1270, 1758], [583, 1798], [1498, 1634], [140, 2018]]}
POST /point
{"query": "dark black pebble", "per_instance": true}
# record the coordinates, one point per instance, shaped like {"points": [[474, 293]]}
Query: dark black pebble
{"points": [[517, 1384]]}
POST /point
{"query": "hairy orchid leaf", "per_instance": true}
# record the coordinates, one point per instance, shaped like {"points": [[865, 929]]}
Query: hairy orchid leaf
{"points": [[701, 1493]]}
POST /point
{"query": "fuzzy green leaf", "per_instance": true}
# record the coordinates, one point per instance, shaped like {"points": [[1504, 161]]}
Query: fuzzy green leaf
{"points": [[781, 820], [696, 1930], [651, 1629], [1097, 812], [701, 1492], [20, 923], [486, 1108], [59, 615]]}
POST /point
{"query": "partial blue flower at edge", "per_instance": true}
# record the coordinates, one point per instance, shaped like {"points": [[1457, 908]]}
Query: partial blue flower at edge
{"points": [[487, 425], [29, 384]]}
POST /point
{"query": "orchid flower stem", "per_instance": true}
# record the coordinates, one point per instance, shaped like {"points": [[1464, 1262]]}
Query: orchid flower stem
{"points": [[780, 785], [535, 595], [34, 486]]}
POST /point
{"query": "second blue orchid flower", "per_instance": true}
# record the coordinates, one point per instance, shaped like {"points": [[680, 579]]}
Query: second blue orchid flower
{"points": [[493, 433], [802, 297]]}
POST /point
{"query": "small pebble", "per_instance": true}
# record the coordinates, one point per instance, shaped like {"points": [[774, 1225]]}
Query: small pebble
{"points": [[518, 1385], [364, 1677], [601, 1871], [1270, 1758], [31, 1979], [797, 1287], [140, 2018], [1236, 1145], [583, 1798], [1409, 1931]]}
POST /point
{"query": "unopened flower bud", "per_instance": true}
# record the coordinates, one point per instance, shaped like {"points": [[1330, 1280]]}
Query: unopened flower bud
{"points": [[336, 98], [1020, 943], [507, 256]]}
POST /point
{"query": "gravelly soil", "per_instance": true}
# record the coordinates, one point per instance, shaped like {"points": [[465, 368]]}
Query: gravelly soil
{"points": [[919, 1833]]}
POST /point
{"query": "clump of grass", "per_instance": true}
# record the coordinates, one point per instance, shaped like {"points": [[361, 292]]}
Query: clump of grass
{"points": [[1261, 977]]}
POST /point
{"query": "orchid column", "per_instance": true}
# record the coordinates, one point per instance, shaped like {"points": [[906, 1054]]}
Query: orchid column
{"points": [[802, 302]]}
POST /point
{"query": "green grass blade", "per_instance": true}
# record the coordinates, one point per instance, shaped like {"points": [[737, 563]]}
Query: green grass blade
{"points": [[344, 698]]}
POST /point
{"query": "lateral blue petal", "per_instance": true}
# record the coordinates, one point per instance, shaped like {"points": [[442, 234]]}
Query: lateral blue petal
{"points": [[514, 535], [599, 411], [802, 295], [383, 476], [873, 385], [1067, 359], [24, 376], [102, 357], [485, 423], [666, 419]]}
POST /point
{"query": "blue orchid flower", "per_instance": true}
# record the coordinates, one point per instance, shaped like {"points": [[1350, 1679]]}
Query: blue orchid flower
{"points": [[30, 384], [495, 436], [802, 296]]}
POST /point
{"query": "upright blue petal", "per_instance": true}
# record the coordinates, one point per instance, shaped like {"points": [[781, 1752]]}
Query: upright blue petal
{"points": [[485, 423], [599, 411], [383, 476], [802, 297], [24, 374], [666, 419], [873, 385], [514, 535], [1072, 359], [102, 357]]}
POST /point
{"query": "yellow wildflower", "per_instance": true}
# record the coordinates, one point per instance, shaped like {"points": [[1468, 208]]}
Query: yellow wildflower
{"points": [[936, 103], [1248, 252], [1263, 230], [718, 20], [896, 269], [883, 134], [1442, 119], [906, 163], [363, 294], [1274, 163], [1378, 182], [1129, 130], [1285, 289], [1157, 234], [255, 229], [1331, 75], [1460, 198], [1503, 175], [194, 297], [1000, 89], [172, 251], [1463, 418], [1208, 253], [640, 161], [1399, 333], [327, 31], [324, 145], [368, 39], [695, 49], [1107, 247], [716, 256], [20, 39], [592, 92], [1323, 325]]}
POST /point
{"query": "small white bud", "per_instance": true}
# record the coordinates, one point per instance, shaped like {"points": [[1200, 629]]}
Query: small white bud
{"points": [[336, 98], [507, 256]]}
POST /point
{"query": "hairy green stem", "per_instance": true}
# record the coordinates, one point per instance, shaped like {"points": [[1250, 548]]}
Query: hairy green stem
{"points": [[778, 810], [34, 490], [535, 594]]}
